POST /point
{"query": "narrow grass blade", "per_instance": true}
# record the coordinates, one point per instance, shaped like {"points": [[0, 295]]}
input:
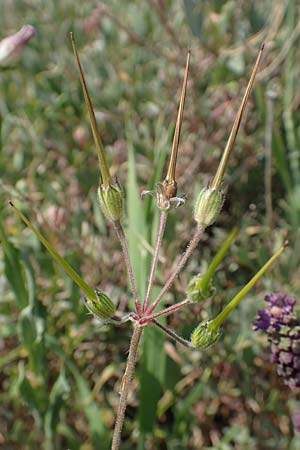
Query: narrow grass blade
{"points": [[136, 227], [152, 374], [57, 397], [14, 269], [85, 399]]}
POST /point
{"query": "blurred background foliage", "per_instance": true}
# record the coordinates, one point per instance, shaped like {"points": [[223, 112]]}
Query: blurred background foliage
{"points": [[60, 371]]}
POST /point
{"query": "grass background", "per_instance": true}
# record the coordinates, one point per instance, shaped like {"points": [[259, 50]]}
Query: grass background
{"points": [[60, 371]]}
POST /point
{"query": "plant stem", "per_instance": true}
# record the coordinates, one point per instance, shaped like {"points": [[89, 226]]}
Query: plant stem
{"points": [[217, 321], [207, 277], [88, 290], [126, 383], [160, 233], [181, 263], [122, 238], [168, 310], [268, 158], [172, 334]]}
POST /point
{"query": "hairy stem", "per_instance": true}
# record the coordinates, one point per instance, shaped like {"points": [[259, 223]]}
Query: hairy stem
{"points": [[122, 238], [181, 263], [165, 311], [126, 383], [160, 233], [172, 334]]}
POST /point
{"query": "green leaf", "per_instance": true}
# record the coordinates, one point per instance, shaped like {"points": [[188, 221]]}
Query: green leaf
{"points": [[70, 435], [172, 374], [184, 407], [30, 280], [34, 398], [58, 395], [281, 159], [31, 327], [162, 144], [14, 269], [93, 413], [152, 374], [137, 227], [194, 16]]}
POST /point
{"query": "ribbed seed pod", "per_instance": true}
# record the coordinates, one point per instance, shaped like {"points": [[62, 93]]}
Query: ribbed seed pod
{"points": [[204, 336], [102, 307], [208, 206], [111, 201], [199, 290]]}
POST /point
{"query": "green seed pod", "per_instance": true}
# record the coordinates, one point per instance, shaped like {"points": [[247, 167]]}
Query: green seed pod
{"points": [[199, 290], [208, 206], [111, 201], [102, 307], [204, 335]]}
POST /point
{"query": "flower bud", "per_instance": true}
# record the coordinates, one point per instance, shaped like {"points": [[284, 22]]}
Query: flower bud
{"points": [[111, 201], [101, 306], [205, 335], [199, 290], [208, 206]]}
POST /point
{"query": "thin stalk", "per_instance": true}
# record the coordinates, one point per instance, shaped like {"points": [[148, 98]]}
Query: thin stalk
{"points": [[181, 263], [165, 311], [122, 239], [215, 323], [207, 277], [160, 233], [88, 290], [126, 384], [172, 334]]}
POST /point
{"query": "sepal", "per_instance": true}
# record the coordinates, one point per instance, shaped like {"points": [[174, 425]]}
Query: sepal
{"points": [[208, 206], [205, 335], [199, 290], [111, 201], [100, 306]]}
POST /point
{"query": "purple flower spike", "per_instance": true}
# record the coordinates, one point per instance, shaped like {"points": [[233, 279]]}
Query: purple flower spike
{"points": [[282, 326], [277, 313]]}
